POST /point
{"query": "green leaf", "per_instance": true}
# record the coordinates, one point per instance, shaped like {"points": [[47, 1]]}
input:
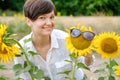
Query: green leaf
{"points": [[85, 77], [46, 78], [99, 70], [12, 36], [34, 69], [65, 72], [17, 67], [1, 78], [73, 55], [68, 61], [27, 40], [22, 70], [19, 79], [7, 42], [101, 78], [68, 78], [38, 74], [27, 68], [105, 63], [18, 55], [33, 53], [111, 78], [113, 63], [81, 65], [2, 67]]}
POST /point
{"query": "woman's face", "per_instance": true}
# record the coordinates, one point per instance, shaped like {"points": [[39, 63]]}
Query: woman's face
{"points": [[44, 24]]}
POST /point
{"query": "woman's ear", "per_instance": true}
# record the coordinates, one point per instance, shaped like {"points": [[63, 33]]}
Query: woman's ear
{"points": [[28, 21]]}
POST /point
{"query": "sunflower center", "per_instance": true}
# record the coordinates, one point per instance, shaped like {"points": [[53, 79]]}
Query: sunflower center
{"points": [[109, 45], [80, 43]]}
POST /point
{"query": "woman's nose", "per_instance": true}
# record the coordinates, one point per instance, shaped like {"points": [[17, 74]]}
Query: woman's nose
{"points": [[48, 21]]}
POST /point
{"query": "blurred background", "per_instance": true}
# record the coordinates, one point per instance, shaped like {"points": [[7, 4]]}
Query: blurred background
{"points": [[101, 15], [96, 13], [68, 7]]}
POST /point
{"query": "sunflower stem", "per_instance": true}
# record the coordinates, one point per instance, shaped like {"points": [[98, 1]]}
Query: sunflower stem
{"points": [[110, 67], [27, 60], [74, 68]]}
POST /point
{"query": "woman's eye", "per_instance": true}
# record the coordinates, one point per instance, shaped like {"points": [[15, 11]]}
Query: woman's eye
{"points": [[42, 18], [52, 17]]}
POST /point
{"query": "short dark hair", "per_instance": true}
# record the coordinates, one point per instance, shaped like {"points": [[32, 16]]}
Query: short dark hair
{"points": [[34, 8]]}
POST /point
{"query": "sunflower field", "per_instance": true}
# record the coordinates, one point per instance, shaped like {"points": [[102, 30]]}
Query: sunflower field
{"points": [[105, 45], [92, 30]]}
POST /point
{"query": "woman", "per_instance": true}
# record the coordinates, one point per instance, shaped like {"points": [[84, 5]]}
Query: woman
{"points": [[46, 40]]}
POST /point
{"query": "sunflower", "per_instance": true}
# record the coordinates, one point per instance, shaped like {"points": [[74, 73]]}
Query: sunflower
{"points": [[117, 71], [7, 51], [79, 45], [107, 44]]}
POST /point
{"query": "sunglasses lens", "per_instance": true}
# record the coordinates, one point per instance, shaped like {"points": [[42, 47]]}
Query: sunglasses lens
{"points": [[88, 35], [75, 32]]}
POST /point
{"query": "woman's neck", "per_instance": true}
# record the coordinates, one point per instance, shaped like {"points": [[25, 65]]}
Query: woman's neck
{"points": [[41, 41], [42, 44]]}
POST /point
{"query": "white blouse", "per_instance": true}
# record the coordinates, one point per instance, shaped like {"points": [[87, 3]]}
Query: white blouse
{"points": [[55, 59]]}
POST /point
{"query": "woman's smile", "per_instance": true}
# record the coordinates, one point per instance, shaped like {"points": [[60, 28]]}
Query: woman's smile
{"points": [[48, 28]]}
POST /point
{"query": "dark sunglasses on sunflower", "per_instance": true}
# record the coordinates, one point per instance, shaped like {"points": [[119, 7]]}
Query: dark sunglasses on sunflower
{"points": [[87, 35]]}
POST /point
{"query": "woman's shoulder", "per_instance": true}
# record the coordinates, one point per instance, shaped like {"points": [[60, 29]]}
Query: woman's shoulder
{"points": [[59, 33]]}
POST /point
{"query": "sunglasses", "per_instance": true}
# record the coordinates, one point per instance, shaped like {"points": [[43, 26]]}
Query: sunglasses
{"points": [[87, 35]]}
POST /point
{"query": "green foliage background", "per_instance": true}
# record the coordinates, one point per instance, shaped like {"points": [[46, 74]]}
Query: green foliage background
{"points": [[10, 7], [15, 5], [68, 7], [88, 7]]}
